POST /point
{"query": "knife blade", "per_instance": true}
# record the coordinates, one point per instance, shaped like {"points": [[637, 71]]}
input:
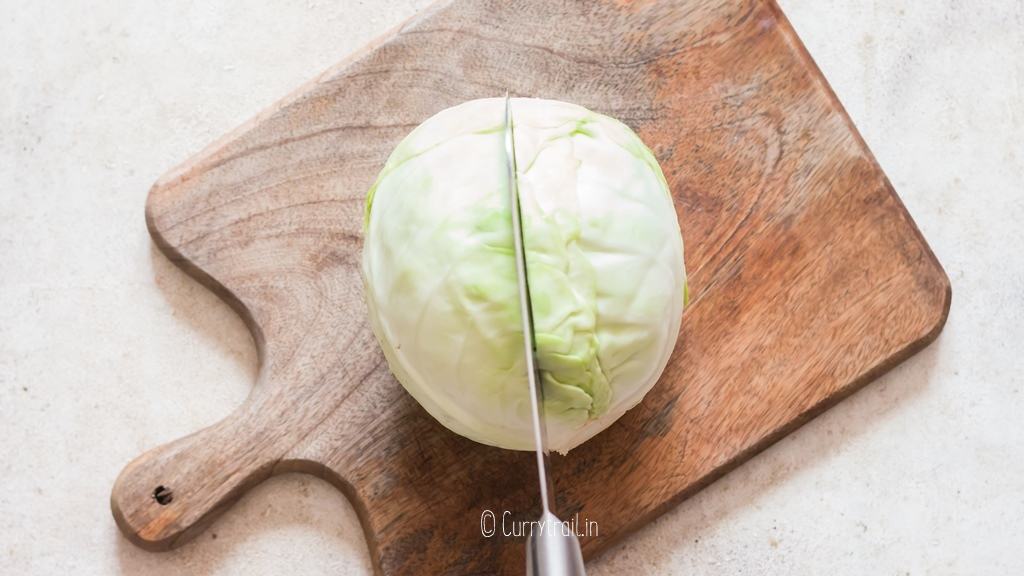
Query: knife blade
{"points": [[550, 550]]}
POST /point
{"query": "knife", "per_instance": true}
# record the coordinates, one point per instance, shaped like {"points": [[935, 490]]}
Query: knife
{"points": [[552, 548]]}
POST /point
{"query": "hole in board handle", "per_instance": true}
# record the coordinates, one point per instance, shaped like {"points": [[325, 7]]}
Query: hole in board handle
{"points": [[163, 495]]}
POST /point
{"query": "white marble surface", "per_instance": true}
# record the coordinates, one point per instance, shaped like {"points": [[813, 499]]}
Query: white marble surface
{"points": [[106, 349]]}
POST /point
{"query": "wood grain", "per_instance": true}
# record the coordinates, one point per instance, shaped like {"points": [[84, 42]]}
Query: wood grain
{"points": [[808, 277]]}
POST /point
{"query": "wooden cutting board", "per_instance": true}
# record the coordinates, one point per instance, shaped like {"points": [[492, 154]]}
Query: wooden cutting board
{"points": [[808, 277]]}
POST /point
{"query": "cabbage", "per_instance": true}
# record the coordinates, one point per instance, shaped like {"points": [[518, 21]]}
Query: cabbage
{"points": [[603, 251]]}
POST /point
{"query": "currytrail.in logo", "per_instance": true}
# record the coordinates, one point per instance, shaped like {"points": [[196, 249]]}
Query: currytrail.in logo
{"points": [[509, 527]]}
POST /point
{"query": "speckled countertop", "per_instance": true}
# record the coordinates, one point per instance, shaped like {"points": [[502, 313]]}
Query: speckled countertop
{"points": [[106, 349]]}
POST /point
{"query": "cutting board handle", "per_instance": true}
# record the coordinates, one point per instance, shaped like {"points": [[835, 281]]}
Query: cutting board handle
{"points": [[172, 492]]}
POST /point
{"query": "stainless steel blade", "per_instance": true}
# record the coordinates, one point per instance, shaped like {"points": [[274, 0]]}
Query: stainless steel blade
{"points": [[526, 313], [550, 551]]}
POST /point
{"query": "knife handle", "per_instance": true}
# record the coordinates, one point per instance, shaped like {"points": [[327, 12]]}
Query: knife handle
{"points": [[553, 549]]}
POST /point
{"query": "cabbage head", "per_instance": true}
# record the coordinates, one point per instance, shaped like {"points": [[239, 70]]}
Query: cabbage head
{"points": [[604, 257]]}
